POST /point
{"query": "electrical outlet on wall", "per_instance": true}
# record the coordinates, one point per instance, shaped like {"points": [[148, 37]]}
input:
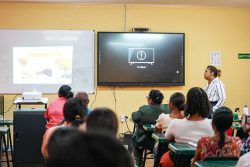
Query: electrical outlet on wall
{"points": [[123, 118]]}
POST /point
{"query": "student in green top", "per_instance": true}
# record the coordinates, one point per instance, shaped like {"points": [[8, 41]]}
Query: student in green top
{"points": [[147, 114]]}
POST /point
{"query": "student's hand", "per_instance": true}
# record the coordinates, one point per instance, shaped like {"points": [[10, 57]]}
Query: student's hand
{"points": [[192, 162], [243, 123]]}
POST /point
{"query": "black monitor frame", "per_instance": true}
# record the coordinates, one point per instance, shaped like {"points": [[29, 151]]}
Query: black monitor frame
{"points": [[100, 83]]}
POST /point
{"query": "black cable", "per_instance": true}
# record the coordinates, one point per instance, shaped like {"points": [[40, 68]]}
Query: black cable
{"points": [[94, 97], [114, 98], [12, 104], [127, 125], [125, 17]]}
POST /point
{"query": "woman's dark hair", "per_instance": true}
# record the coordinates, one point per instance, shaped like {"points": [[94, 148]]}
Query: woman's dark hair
{"points": [[65, 91], [74, 111], [156, 96], [102, 120], [71, 147], [197, 103], [83, 96], [222, 120], [214, 70], [178, 100]]}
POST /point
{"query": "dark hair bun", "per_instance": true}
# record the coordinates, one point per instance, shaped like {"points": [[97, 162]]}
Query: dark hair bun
{"points": [[156, 96], [178, 100], [65, 91]]}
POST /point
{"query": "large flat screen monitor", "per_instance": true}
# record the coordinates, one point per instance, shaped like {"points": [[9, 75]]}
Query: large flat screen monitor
{"points": [[141, 59]]}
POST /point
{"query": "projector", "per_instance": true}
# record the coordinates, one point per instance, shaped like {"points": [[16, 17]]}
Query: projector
{"points": [[32, 95]]}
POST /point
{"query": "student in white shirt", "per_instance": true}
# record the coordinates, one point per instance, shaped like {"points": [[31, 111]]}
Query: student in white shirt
{"points": [[244, 161], [176, 105], [191, 128], [215, 89]]}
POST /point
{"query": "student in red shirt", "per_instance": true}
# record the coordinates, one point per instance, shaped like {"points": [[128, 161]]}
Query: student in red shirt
{"points": [[54, 112]]}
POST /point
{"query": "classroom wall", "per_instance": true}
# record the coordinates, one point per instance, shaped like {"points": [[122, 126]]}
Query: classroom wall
{"points": [[224, 29]]}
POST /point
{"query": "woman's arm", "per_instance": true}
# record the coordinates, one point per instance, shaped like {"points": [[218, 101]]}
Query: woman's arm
{"points": [[45, 141], [221, 94], [197, 154], [243, 123], [136, 116]]}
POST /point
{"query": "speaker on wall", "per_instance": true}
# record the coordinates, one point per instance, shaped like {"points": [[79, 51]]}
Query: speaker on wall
{"points": [[29, 128], [141, 29]]}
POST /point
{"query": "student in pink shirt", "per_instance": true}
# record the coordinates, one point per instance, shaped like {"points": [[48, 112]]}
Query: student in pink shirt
{"points": [[54, 112]]}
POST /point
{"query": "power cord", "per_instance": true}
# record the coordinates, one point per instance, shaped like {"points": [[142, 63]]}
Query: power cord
{"points": [[12, 103], [114, 94], [127, 125], [94, 98]]}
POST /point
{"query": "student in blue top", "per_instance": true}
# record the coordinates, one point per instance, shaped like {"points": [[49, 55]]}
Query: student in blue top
{"points": [[83, 96]]}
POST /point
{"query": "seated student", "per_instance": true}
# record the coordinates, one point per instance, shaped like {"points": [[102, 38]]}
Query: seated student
{"points": [[191, 128], [102, 120], [147, 114], [54, 112], [83, 96], [73, 116], [176, 105], [69, 147], [246, 130], [219, 145], [244, 160]]}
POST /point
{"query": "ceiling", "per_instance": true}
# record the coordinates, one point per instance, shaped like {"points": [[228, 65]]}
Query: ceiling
{"points": [[229, 3]]}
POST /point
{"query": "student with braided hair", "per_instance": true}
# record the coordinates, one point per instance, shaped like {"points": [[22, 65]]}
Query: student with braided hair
{"points": [[219, 145], [73, 116], [191, 128]]}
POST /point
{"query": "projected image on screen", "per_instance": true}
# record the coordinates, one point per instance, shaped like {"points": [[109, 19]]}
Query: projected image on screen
{"points": [[42, 65]]}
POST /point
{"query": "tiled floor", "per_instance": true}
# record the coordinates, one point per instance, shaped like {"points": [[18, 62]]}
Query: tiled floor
{"points": [[4, 164]]}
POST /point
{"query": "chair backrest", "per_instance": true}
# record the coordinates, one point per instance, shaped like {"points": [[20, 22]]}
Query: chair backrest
{"points": [[220, 158]]}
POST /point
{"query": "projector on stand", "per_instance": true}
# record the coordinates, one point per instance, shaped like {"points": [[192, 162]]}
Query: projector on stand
{"points": [[32, 95]]}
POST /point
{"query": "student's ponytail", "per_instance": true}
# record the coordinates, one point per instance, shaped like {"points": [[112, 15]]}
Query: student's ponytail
{"points": [[222, 139], [222, 121], [77, 121], [74, 112], [69, 95], [65, 91]]}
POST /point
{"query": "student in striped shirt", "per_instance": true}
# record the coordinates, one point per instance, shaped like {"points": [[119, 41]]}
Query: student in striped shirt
{"points": [[215, 89]]}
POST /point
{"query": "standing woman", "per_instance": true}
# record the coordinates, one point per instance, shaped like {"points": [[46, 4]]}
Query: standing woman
{"points": [[215, 89]]}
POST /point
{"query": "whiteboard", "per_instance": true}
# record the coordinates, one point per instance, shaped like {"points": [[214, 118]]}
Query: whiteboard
{"points": [[43, 60]]}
